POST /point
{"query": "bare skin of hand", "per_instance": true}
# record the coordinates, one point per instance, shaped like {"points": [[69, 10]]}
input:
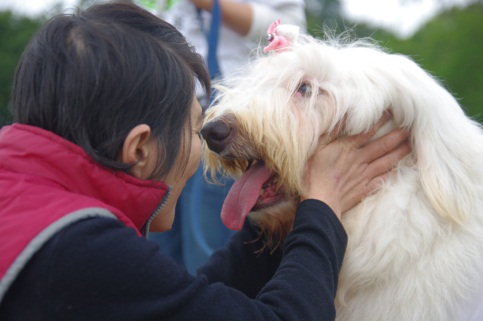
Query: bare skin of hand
{"points": [[341, 173]]}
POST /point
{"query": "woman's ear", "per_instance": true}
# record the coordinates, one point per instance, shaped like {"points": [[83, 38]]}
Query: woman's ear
{"points": [[138, 150]]}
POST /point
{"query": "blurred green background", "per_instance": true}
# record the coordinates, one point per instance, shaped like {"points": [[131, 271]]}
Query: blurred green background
{"points": [[449, 46]]}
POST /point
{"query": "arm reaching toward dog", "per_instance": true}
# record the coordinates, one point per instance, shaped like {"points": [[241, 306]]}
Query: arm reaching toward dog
{"points": [[342, 172]]}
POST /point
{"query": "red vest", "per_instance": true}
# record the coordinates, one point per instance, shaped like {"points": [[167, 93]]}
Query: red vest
{"points": [[47, 183]]}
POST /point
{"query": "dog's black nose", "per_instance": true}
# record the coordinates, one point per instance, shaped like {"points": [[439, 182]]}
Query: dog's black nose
{"points": [[217, 134]]}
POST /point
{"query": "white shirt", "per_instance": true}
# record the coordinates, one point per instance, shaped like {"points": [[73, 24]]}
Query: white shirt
{"points": [[233, 49]]}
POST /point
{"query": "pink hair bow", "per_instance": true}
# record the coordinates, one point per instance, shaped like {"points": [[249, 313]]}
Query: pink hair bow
{"points": [[280, 37]]}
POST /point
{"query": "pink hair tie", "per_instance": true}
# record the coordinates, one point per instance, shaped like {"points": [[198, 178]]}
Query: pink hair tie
{"points": [[280, 37]]}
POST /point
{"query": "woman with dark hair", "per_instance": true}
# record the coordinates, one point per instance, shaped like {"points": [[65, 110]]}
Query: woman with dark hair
{"points": [[105, 135]]}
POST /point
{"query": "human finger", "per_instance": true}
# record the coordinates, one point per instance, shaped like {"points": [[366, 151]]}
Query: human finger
{"points": [[363, 138], [383, 145], [374, 174], [384, 164]]}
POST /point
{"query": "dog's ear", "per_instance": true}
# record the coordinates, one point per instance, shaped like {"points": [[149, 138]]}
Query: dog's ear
{"points": [[447, 145]]}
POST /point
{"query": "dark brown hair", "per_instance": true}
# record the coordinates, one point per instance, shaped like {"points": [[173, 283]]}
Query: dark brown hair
{"points": [[92, 76]]}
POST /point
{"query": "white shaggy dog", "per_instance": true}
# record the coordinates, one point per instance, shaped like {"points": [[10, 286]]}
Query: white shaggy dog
{"points": [[415, 248]]}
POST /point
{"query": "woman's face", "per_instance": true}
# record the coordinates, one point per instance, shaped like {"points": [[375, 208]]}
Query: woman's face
{"points": [[179, 174]]}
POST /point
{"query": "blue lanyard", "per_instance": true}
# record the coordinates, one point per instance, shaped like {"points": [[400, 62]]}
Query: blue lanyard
{"points": [[212, 38]]}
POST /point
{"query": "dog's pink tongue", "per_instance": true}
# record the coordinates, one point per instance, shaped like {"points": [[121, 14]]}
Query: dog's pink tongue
{"points": [[243, 195]]}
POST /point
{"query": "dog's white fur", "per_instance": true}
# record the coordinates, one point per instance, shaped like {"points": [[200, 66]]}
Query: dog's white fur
{"points": [[415, 247]]}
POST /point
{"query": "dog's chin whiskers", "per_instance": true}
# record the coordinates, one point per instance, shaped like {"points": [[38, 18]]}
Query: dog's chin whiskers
{"points": [[249, 164]]}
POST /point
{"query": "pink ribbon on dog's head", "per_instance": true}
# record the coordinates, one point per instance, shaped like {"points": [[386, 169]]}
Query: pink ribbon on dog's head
{"points": [[280, 37]]}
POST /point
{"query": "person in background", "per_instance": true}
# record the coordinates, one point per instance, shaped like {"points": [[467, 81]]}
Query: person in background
{"points": [[226, 47], [243, 26], [105, 136]]}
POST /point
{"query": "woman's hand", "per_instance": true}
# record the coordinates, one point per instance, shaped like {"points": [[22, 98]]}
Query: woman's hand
{"points": [[344, 171]]}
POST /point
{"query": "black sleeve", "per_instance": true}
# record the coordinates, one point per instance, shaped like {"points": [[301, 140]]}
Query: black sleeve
{"points": [[97, 269], [242, 264], [246, 269]]}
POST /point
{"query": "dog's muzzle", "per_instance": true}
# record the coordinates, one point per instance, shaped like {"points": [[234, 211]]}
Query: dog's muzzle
{"points": [[218, 133]]}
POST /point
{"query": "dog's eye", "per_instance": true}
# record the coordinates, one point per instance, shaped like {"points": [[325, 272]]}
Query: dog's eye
{"points": [[305, 89]]}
